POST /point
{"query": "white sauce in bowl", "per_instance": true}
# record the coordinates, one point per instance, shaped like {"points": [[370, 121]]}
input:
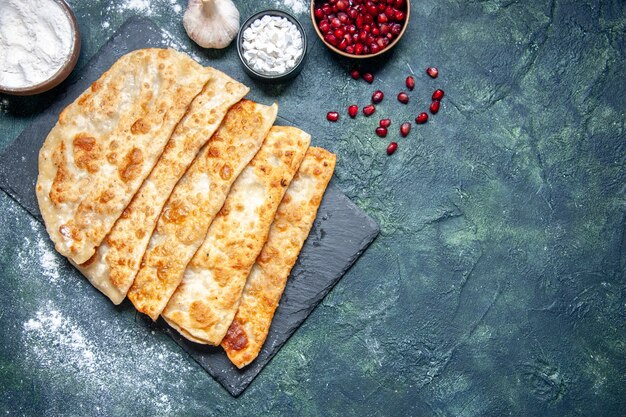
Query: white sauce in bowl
{"points": [[36, 40]]}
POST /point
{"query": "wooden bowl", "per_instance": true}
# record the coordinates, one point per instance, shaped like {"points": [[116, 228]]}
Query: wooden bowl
{"points": [[340, 52], [63, 72]]}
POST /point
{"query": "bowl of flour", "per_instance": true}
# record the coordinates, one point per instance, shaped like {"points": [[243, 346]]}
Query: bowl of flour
{"points": [[39, 45]]}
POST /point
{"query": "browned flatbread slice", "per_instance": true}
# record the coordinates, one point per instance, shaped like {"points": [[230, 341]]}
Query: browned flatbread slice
{"points": [[269, 274], [206, 301], [196, 199], [113, 267], [106, 143]]}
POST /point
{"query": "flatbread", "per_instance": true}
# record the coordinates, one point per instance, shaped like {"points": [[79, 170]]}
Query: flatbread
{"points": [[206, 301], [106, 143], [267, 280], [113, 267], [196, 199]]}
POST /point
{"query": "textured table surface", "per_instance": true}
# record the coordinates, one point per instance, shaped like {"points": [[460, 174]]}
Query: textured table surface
{"points": [[496, 287]]}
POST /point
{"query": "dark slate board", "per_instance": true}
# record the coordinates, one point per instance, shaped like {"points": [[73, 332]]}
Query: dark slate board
{"points": [[339, 236]]}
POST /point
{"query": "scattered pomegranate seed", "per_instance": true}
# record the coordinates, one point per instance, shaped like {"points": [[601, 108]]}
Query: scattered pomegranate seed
{"points": [[385, 123], [405, 128], [381, 131], [368, 76], [432, 72], [369, 110], [332, 116], [355, 74], [421, 118], [434, 106], [410, 83], [353, 110], [403, 98], [438, 95], [377, 97], [393, 146]]}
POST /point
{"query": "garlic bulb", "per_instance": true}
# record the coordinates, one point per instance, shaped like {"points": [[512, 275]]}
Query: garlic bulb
{"points": [[211, 23]]}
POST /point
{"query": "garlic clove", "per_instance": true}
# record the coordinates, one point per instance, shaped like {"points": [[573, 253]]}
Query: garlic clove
{"points": [[211, 23]]}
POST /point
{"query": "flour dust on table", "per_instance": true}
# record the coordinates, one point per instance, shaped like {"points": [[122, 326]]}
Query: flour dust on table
{"points": [[294, 6]]}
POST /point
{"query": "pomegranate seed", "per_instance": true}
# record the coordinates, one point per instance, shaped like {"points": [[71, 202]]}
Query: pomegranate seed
{"points": [[335, 23], [343, 45], [405, 128], [421, 118], [372, 10], [339, 33], [399, 16], [381, 7], [400, 4], [396, 29], [332, 116], [369, 110], [381, 131], [368, 77], [374, 48], [331, 39], [327, 9], [385, 122], [403, 98], [343, 18], [410, 83], [360, 21], [434, 106], [358, 50], [382, 18], [319, 14], [350, 49], [342, 5], [432, 72], [353, 110], [393, 146], [355, 74], [384, 29], [389, 11], [353, 13], [351, 29], [324, 26], [438, 95], [377, 97]]}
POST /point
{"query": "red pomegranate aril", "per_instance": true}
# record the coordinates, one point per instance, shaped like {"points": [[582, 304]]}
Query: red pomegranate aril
{"points": [[355, 74], [353, 13], [382, 18], [375, 31], [377, 97], [403, 98], [381, 131], [368, 19], [372, 10], [343, 18], [353, 110], [359, 21], [335, 22], [410, 83], [381, 7], [351, 29], [432, 72], [324, 26], [434, 106], [421, 118], [319, 14], [399, 16], [363, 35], [389, 11], [327, 9], [332, 116], [374, 48], [399, 4], [393, 146], [405, 128], [369, 110], [350, 49], [366, 50], [384, 29], [368, 77], [343, 44], [339, 33], [335, 9], [396, 29], [331, 39], [438, 94], [342, 5], [358, 50], [384, 122]]}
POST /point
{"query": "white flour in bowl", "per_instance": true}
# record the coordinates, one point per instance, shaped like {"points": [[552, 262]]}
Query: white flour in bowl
{"points": [[35, 41]]}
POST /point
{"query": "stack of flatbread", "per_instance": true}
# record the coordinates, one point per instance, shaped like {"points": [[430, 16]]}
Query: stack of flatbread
{"points": [[161, 183]]}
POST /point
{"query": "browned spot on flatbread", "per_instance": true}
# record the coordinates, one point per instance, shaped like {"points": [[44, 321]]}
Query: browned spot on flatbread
{"points": [[141, 126], [86, 153], [131, 165], [226, 172], [236, 338], [175, 212], [202, 314]]}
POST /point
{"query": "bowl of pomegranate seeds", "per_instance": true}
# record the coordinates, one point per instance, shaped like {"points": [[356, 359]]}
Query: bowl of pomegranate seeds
{"points": [[360, 28]]}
